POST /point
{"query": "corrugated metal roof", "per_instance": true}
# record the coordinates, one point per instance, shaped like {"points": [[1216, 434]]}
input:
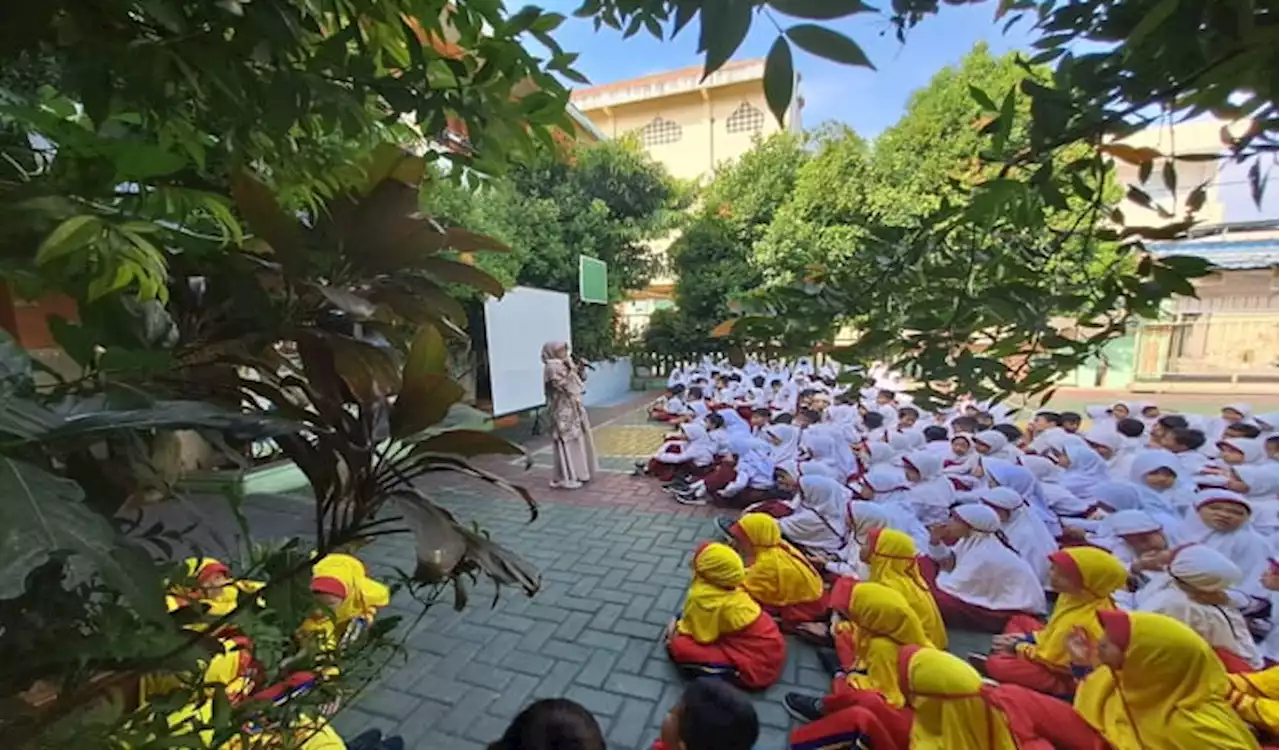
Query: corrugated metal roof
{"points": [[1225, 253]]}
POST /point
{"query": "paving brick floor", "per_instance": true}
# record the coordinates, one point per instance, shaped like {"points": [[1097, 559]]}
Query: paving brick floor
{"points": [[613, 577]]}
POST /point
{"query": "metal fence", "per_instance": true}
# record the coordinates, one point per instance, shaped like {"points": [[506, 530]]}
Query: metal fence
{"points": [[1209, 346]]}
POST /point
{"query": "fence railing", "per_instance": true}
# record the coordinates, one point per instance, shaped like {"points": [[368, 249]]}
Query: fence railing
{"points": [[1210, 346]]}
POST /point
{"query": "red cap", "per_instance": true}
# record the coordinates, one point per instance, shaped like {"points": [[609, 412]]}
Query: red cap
{"points": [[1115, 623], [329, 585], [212, 569]]}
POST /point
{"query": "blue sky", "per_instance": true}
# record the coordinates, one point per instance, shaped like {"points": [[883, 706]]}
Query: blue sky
{"points": [[866, 100]]}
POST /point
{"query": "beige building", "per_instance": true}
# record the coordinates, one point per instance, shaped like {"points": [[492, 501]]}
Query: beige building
{"points": [[690, 126]]}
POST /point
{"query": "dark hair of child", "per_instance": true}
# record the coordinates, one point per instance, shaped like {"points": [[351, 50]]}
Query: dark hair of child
{"points": [[1188, 438], [676, 389], [783, 418], [812, 416], [735, 377], [1009, 431], [829, 382], [908, 411], [714, 421], [714, 715], [984, 418], [695, 393], [964, 424], [1173, 422], [873, 420], [806, 393], [1130, 428], [1052, 417], [1242, 430], [935, 433], [1071, 417], [762, 412], [888, 393], [847, 398], [776, 382], [758, 381], [552, 724]]}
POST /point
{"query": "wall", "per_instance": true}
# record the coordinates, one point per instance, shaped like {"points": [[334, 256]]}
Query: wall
{"points": [[609, 383], [702, 117]]}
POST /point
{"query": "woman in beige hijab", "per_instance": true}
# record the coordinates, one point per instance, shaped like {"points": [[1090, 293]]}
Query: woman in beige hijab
{"points": [[571, 443]]}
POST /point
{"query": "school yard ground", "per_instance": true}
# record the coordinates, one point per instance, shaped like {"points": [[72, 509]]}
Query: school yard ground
{"points": [[615, 559]]}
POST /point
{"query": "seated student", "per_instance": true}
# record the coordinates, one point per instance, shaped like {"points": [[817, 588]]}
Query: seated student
{"points": [[932, 493], [1158, 684], [863, 518], [350, 599], [552, 724], [210, 584], [671, 408], [892, 560], [1082, 467], [677, 459], [991, 443], [1071, 422], [1131, 433], [951, 710], [1025, 532], [1036, 656], [879, 624], [760, 419], [1195, 592], [1012, 434], [743, 479], [697, 403], [779, 577], [1060, 501], [907, 418], [711, 715], [985, 420], [979, 582], [1137, 540], [1220, 520], [1160, 429], [1185, 444], [936, 440], [817, 524], [873, 428], [1241, 431], [722, 630]]}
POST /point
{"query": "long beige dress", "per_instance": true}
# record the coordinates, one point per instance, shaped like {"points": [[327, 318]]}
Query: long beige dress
{"points": [[571, 442]]}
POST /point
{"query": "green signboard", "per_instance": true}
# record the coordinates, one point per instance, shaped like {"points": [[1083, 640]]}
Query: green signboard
{"points": [[593, 280]]}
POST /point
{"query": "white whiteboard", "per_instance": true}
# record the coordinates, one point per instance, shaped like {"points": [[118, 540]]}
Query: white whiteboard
{"points": [[517, 326]]}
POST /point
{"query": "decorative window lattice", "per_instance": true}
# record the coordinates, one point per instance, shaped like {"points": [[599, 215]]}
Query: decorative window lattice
{"points": [[659, 132], [745, 119]]}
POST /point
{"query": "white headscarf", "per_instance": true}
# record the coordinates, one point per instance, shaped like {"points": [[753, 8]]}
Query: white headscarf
{"points": [[1174, 500], [1222, 626], [1060, 500], [1026, 532], [987, 573], [825, 444], [1022, 481], [1121, 524], [784, 446], [753, 459], [893, 494], [878, 454], [997, 445], [957, 464], [1245, 547], [734, 424], [819, 521], [1263, 483], [933, 495], [863, 518], [1084, 470], [699, 448], [907, 441]]}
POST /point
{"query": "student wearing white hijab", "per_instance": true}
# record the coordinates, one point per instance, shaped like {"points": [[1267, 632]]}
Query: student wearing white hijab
{"points": [[1026, 532], [1082, 468], [1220, 519], [694, 454], [752, 472], [862, 518], [784, 446], [993, 444], [1020, 480], [963, 459], [981, 582], [1260, 484], [875, 454], [819, 521], [905, 442], [1105, 440], [889, 488], [1155, 473], [826, 446], [932, 493], [1195, 593], [1061, 501]]}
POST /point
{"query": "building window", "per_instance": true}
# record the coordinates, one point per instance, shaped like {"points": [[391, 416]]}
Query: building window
{"points": [[659, 132], [745, 119]]}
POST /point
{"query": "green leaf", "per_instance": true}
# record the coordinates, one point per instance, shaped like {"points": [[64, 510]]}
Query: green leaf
{"points": [[828, 44], [461, 273], [170, 415], [43, 513], [779, 78], [427, 354], [724, 25], [820, 10], [982, 98], [423, 401], [1150, 21], [69, 236]]}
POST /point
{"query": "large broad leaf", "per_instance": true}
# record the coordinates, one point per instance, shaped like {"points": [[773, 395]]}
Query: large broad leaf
{"points": [[423, 401], [172, 415], [42, 513], [461, 273], [267, 220], [446, 549], [24, 419], [469, 443]]}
